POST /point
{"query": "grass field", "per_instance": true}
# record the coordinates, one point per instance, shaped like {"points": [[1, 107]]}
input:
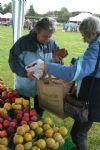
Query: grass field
{"points": [[71, 41]]}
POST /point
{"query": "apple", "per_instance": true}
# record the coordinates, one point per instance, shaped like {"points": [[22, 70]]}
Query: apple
{"points": [[23, 122], [1, 102], [13, 124], [4, 95], [9, 118], [26, 118], [19, 116], [26, 114], [33, 113], [25, 110], [1, 126], [3, 133], [20, 112], [18, 139], [34, 118], [8, 100], [1, 120], [10, 131], [13, 99], [7, 106], [9, 94], [6, 123], [4, 141]]}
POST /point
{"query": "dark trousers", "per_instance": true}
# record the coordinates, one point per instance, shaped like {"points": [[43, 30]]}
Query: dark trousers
{"points": [[79, 134], [36, 105]]}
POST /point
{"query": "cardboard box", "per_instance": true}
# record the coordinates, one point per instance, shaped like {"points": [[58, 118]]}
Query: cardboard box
{"points": [[52, 94]]}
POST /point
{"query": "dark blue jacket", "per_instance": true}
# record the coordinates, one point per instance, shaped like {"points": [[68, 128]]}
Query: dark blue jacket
{"points": [[24, 52]]}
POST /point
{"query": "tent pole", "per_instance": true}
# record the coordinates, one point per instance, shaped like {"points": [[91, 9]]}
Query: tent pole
{"points": [[18, 18]]}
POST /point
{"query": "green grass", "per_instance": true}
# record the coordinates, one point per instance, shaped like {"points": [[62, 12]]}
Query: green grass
{"points": [[73, 43]]}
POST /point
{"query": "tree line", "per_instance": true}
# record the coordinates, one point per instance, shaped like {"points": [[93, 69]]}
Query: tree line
{"points": [[61, 16]]}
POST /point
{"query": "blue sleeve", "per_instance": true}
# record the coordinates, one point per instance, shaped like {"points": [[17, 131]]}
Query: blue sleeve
{"points": [[61, 71], [83, 66], [86, 65]]}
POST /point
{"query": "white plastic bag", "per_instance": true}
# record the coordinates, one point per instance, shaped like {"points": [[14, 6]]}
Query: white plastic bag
{"points": [[37, 68]]}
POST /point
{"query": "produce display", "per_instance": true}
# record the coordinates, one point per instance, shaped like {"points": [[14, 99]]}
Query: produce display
{"points": [[20, 127]]}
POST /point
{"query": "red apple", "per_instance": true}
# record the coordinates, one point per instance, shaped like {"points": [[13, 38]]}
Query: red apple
{"points": [[23, 122], [13, 124], [19, 116], [20, 112], [6, 123], [13, 99], [1, 120], [25, 110], [33, 113], [26, 118], [9, 118], [10, 94], [34, 118], [3, 134], [26, 114], [1, 102], [1, 126]]}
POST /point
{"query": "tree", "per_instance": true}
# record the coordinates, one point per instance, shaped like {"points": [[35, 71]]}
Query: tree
{"points": [[31, 11], [63, 15], [75, 13], [7, 8], [1, 9]]}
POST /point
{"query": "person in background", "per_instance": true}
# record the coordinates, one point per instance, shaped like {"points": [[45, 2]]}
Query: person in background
{"points": [[83, 68], [31, 47]]}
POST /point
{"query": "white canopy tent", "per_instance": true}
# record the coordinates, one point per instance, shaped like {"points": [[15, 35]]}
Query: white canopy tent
{"points": [[18, 18], [7, 16], [1, 15], [80, 17]]}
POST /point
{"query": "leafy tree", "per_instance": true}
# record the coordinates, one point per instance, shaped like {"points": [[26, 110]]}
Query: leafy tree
{"points": [[63, 15], [1, 9], [31, 11], [7, 8]]}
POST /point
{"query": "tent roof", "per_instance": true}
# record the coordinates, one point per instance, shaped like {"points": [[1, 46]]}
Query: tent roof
{"points": [[7, 15], [1, 15], [80, 17]]}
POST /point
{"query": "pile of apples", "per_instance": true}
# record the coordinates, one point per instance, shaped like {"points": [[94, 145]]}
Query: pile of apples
{"points": [[20, 127], [39, 135], [11, 117], [7, 95]]}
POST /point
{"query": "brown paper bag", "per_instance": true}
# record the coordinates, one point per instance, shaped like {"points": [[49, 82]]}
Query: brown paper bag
{"points": [[51, 95]]}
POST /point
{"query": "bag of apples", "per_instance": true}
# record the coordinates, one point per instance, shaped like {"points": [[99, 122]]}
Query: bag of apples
{"points": [[51, 95]]}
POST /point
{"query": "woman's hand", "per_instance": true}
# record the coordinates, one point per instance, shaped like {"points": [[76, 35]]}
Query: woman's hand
{"points": [[60, 54]]}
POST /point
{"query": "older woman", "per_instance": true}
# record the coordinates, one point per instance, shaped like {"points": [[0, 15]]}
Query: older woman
{"points": [[36, 45], [81, 69]]}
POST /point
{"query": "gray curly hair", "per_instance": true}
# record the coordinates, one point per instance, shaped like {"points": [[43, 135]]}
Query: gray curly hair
{"points": [[90, 25]]}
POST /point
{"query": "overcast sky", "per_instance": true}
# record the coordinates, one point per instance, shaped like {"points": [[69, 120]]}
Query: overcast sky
{"points": [[42, 6]]}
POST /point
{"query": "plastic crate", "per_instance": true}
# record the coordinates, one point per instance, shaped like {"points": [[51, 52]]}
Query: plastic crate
{"points": [[67, 146]]}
